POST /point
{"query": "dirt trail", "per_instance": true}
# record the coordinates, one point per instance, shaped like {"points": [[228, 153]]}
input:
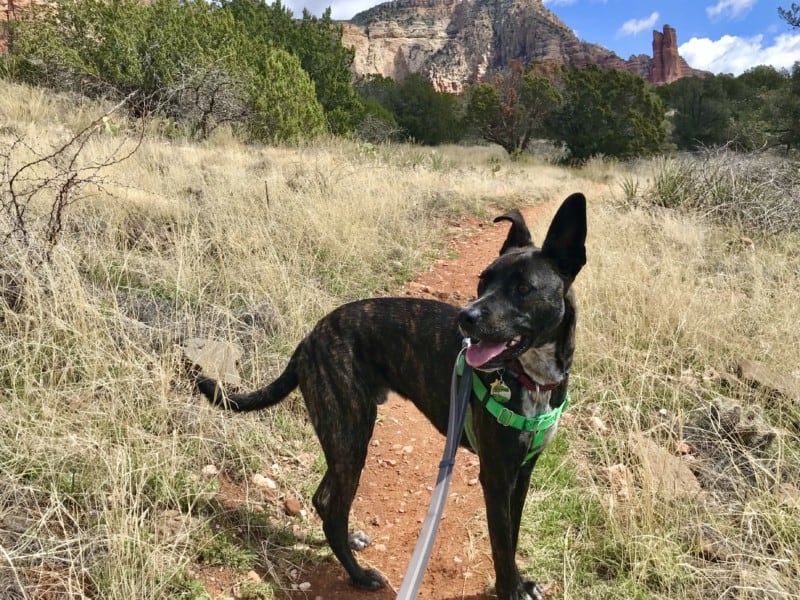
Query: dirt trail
{"points": [[400, 472]]}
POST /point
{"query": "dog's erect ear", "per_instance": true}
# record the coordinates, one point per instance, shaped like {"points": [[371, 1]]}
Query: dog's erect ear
{"points": [[565, 243], [518, 235]]}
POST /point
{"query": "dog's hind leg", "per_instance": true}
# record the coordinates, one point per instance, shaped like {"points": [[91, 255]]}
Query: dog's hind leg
{"points": [[344, 428]]}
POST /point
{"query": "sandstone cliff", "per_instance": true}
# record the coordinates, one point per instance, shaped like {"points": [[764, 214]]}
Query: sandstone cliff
{"points": [[9, 10], [454, 43]]}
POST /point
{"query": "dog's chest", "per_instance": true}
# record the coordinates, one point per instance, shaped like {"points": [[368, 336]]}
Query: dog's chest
{"points": [[541, 364], [533, 405]]}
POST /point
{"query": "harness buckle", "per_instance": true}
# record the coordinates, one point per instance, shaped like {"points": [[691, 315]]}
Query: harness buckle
{"points": [[505, 416]]}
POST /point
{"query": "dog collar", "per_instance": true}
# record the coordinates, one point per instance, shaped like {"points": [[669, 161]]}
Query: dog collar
{"points": [[515, 369], [538, 425]]}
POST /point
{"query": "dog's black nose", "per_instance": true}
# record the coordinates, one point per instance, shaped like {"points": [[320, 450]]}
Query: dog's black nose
{"points": [[469, 317]]}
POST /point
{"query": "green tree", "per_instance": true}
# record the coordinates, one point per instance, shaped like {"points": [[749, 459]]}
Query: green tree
{"points": [[328, 63], [284, 104], [425, 115], [317, 43], [791, 15], [701, 112], [513, 109], [377, 94], [420, 112], [609, 112], [188, 59], [782, 112]]}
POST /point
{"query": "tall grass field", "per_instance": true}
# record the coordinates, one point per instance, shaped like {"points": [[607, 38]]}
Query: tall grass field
{"points": [[105, 448]]}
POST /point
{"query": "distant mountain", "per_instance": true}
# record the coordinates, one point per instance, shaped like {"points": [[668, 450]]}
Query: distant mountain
{"points": [[455, 43]]}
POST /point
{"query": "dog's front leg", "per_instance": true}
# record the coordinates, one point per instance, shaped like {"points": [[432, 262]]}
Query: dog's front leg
{"points": [[502, 491], [518, 497]]}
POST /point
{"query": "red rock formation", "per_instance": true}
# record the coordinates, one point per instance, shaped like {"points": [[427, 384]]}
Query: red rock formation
{"points": [[9, 10], [455, 43], [667, 66]]}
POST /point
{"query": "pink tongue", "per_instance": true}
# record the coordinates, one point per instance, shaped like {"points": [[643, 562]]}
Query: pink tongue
{"points": [[482, 352]]}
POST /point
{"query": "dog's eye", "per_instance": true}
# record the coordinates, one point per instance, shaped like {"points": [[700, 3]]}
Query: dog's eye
{"points": [[524, 289]]}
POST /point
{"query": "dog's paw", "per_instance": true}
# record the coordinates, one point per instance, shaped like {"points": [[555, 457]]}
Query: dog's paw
{"points": [[532, 591], [369, 579], [358, 540]]}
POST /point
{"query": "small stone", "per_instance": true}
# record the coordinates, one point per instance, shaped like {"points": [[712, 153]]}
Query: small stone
{"points": [[620, 479], [711, 375], [292, 507], [304, 587], [210, 471], [215, 359], [375, 520], [473, 481], [253, 576], [688, 377], [260, 481], [408, 449], [358, 540], [305, 459], [598, 425], [380, 547], [760, 375], [789, 496]]}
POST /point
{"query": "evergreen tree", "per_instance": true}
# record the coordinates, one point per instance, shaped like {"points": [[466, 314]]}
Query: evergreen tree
{"points": [[609, 112], [513, 109]]}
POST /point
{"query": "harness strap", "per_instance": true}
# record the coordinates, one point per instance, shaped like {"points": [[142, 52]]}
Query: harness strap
{"points": [[538, 425]]}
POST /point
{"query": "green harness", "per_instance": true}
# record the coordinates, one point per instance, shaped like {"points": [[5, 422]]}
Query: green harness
{"points": [[538, 425]]}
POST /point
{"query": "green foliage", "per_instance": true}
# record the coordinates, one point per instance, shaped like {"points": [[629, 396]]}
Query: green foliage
{"points": [[791, 15], [284, 104], [609, 112], [422, 114], [378, 124], [702, 112], [328, 63], [221, 550], [317, 43], [783, 112], [758, 109], [513, 109], [197, 62]]}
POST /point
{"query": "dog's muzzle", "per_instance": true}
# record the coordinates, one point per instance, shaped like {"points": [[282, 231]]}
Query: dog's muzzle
{"points": [[484, 352]]}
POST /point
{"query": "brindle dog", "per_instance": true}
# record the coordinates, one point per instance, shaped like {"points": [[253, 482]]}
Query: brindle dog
{"points": [[522, 330]]}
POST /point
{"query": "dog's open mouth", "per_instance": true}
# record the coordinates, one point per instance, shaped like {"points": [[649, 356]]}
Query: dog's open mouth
{"points": [[492, 355]]}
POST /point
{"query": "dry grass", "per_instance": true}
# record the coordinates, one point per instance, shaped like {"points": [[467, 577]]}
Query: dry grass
{"points": [[102, 441]]}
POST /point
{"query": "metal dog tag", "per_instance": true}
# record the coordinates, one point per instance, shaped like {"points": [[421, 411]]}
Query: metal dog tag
{"points": [[500, 391]]}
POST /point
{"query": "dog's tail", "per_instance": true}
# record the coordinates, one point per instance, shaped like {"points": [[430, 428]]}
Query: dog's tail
{"points": [[267, 396]]}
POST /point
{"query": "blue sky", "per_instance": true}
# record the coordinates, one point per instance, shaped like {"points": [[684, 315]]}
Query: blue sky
{"points": [[722, 36]]}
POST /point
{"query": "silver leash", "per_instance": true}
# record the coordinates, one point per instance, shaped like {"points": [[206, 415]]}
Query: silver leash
{"points": [[459, 398]]}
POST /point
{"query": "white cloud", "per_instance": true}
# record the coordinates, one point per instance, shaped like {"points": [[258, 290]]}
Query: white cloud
{"points": [[733, 54], [634, 26], [729, 8]]}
